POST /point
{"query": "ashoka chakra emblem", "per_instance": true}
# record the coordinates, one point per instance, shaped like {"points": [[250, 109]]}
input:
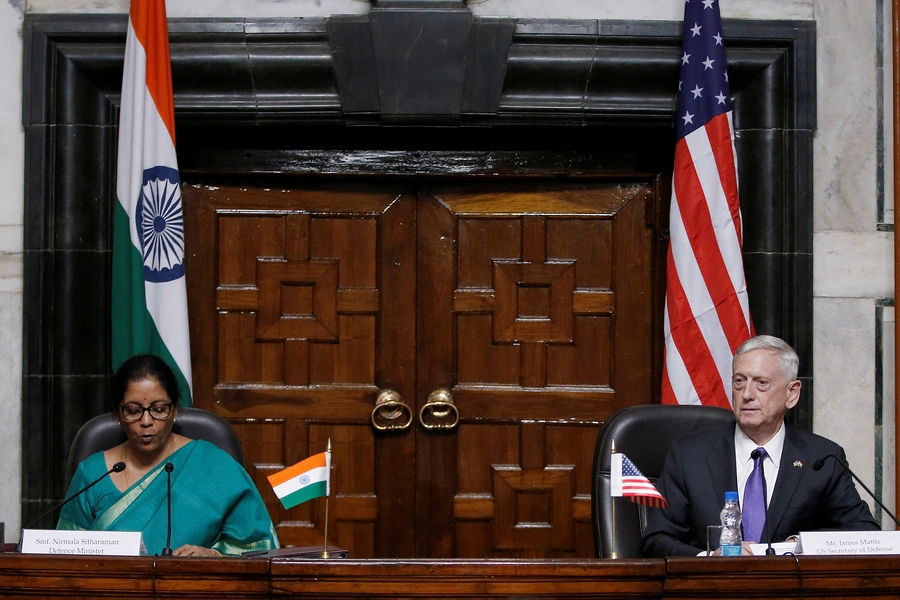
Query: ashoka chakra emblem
{"points": [[159, 219]]}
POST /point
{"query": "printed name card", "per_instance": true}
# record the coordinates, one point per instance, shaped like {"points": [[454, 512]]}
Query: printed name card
{"points": [[83, 543], [780, 548], [849, 542]]}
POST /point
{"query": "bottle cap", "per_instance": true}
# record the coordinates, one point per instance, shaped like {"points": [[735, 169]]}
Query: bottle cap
{"points": [[731, 496]]}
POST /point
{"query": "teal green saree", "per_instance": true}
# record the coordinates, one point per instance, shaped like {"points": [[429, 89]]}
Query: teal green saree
{"points": [[214, 503]]}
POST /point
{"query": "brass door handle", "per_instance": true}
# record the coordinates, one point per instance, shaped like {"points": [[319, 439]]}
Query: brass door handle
{"points": [[389, 410], [439, 412]]}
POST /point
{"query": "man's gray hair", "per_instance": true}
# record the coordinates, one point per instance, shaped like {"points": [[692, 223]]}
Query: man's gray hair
{"points": [[787, 357]]}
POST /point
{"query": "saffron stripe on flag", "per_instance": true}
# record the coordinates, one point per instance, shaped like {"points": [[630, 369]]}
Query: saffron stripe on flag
{"points": [[150, 26], [313, 462], [303, 481]]}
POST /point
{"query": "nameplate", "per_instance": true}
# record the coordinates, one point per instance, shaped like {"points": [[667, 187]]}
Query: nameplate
{"points": [[82, 543], [849, 542]]}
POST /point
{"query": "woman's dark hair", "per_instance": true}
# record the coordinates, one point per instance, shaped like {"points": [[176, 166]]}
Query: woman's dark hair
{"points": [[138, 368]]}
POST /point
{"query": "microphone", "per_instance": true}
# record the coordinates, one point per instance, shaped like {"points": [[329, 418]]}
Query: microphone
{"points": [[167, 551], [817, 466], [770, 551], [117, 468]]}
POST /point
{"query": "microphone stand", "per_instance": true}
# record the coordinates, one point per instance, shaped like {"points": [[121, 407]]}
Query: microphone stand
{"points": [[167, 551], [770, 551], [817, 466], [117, 468]]}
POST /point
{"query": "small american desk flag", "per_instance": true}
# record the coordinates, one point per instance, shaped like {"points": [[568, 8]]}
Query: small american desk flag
{"points": [[628, 481]]}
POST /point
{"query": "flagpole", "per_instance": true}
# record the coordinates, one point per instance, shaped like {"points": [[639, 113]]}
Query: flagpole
{"points": [[325, 552], [614, 553]]}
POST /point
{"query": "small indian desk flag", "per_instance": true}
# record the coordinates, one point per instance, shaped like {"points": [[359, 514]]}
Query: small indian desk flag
{"points": [[304, 481]]}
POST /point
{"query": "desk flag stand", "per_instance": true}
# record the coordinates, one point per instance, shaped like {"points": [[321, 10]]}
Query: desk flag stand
{"points": [[325, 552], [304, 481], [625, 479], [614, 554]]}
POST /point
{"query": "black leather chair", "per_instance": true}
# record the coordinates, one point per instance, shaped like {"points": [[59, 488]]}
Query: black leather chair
{"points": [[102, 432], [643, 434]]}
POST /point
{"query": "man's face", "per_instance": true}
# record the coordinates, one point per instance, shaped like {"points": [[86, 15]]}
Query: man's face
{"points": [[761, 394]]}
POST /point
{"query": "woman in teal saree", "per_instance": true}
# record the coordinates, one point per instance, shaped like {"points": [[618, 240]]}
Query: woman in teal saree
{"points": [[216, 508]]}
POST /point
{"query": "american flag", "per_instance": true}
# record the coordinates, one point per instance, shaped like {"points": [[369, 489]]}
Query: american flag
{"points": [[707, 314], [628, 481]]}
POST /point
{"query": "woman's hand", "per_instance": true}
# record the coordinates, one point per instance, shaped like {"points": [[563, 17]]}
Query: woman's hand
{"points": [[191, 550]]}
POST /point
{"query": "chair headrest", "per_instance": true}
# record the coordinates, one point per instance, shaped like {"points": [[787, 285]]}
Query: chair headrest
{"points": [[103, 432]]}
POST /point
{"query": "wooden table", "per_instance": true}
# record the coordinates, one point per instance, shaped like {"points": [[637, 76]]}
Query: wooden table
{"points": [[34, 576]]}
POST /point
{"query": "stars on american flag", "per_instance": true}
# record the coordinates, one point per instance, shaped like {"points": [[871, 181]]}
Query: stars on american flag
{"points": [[703, 89]]}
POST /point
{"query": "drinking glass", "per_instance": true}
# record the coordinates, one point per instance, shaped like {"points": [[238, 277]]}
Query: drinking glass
{"points": [[713, 535]]}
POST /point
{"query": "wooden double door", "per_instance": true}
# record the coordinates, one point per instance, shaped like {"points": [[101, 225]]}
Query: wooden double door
{"points": [[458, 345]]}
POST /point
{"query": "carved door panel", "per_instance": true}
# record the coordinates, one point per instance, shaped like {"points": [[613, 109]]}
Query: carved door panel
{"points": [[531, 306], [302, 307], [538, 321]]}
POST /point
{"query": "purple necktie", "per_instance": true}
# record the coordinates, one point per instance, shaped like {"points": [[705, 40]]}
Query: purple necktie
{"points": [[754, 511]]}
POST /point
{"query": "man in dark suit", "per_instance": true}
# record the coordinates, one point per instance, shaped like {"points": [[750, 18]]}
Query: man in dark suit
{"points": [[702, 466]]}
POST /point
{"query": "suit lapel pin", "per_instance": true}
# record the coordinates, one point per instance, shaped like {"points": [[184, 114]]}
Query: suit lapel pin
{"points": [[798, 463]]}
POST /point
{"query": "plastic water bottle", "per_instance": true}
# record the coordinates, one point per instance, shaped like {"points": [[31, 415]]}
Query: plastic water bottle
{"points": [[730, 541]]}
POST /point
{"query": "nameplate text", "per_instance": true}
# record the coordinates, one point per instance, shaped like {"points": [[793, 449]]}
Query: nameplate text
{"points": [[849, 542], [81, 543]]}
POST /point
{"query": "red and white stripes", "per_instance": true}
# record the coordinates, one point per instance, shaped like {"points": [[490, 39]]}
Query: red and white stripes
{"points": [[707, 314]]}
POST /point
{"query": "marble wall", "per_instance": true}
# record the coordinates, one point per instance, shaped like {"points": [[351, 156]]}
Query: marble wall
{"points": [[11, 219], [853, 239]]}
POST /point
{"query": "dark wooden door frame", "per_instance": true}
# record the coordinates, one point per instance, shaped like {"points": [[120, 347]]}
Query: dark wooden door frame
{"points": [[324, 96]]}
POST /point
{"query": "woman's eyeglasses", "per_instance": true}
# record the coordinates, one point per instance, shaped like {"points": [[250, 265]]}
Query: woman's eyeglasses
{"points": [[135, 412]]}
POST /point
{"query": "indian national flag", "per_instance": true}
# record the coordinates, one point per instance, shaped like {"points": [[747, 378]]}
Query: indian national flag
{"points": [[149, 297], [304, 481]]}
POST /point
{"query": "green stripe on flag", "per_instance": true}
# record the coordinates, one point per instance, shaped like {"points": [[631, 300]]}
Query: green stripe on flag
{"points": [[314, 490], [133, 329]]}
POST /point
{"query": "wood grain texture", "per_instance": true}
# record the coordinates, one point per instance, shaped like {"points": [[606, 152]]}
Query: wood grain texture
{"points": [[531, 301], [35, 576]]}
